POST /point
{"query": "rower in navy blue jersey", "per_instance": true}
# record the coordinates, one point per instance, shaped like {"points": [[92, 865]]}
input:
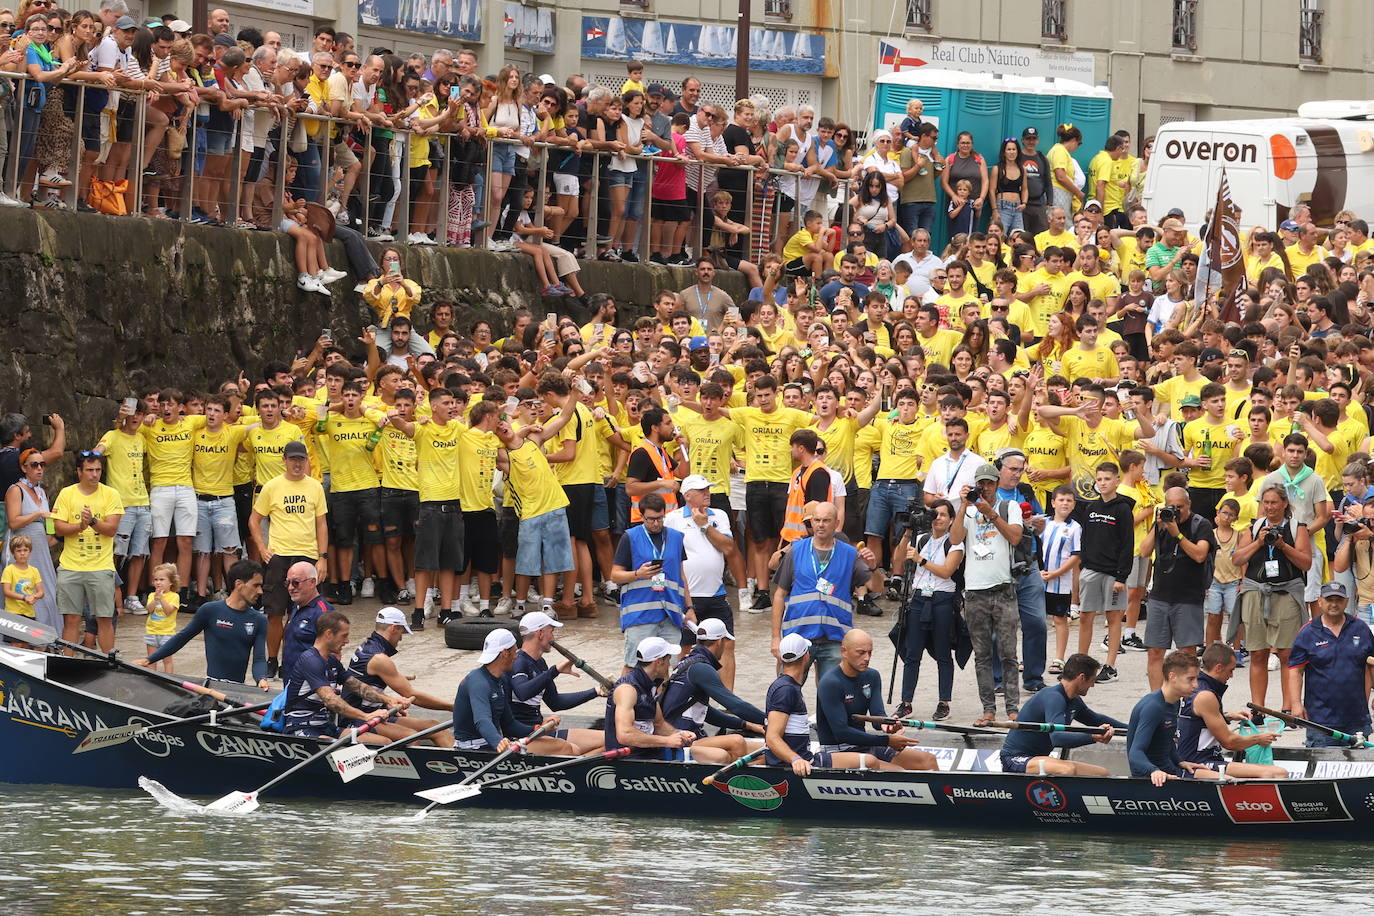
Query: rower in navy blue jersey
{"points": [[315, 706], [633, 718], [1151, 748], [532, 683], [695, 682], [483, 714], [1203, 733], [235, 632], [373, 664], [855, 689], [1029, 752], [788, 733]]}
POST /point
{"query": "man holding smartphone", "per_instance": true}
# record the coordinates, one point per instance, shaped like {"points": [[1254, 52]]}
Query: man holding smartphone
{"points": [[654, 600]]}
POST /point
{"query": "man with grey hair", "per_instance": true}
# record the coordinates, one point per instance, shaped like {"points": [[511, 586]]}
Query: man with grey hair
{"points": [[416, 62], [110, 11], [466, 62], [705, 143], [440, 62]]}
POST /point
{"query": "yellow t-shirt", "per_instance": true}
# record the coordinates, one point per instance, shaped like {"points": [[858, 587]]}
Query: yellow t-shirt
{"points": [[839, 445], [767, 452], [629, 84], [438, 456], [581, 428], [1254, 267], [589, 336], [710, 445], [169, 451], [796, 246], [1018, 313], [939, 346], [1299, 262], [292, 506], [865, 444], [1047, 304], [1172, 390], [531, 486], [777, 338], [1099, 362], [1249, 508], [1059, 158], [212, 465], [1087, 448], [990, 440], [159, 623], [1238, 406], [898, 450], [950, 306], [1203, 439], [1103, 285], [1129, 257], [351, 465], [1346, 442], [124, 466], [1065, 239], [267, 446], [1144, 497], [477, 451], [24, 581], [90, 550], [1046, 450], [395, 456]]}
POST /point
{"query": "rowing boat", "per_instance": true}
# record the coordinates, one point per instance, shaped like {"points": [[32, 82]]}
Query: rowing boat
{"points": [[49, 704]]}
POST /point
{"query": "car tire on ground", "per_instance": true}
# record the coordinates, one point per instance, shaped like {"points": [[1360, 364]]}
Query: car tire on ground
{"points": [[469, 633]]}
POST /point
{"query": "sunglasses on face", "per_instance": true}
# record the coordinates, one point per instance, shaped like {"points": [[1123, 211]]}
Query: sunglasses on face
{"points": [[293, 583], [37, 464]]}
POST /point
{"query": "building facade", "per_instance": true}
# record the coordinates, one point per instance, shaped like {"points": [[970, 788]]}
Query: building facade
{"points": [[1163, 60]]}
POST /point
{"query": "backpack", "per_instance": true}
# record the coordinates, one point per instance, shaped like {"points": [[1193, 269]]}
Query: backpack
{"points": [[1024, 553]]}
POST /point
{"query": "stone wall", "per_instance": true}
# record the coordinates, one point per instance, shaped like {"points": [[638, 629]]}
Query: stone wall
{"points": [[99, 306]]}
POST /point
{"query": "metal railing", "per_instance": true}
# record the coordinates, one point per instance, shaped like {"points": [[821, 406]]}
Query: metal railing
{"points": [[1054, 20], [763, 189], [1310, 33], [1185, 25], [777, 9], [918, 15]]}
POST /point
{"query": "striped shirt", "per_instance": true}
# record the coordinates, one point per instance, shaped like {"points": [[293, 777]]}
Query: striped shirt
{"points": [[1060, 541]]}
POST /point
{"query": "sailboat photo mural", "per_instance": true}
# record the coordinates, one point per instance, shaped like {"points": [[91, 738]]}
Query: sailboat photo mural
{"points": [[659, 41]]}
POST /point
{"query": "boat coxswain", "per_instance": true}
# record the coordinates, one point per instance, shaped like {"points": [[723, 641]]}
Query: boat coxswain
{"points": [[1150, 747], [235, 632], [695, 682], [788, 733], [315, 705], [855, 689], [532, 683], [1029, 752], [483, 709], [1203, 733], [373, 665], [633, 718]]}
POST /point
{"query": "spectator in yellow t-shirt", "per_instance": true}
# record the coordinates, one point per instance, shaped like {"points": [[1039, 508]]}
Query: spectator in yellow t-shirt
{"points": [[22, 583], [163, 604]]}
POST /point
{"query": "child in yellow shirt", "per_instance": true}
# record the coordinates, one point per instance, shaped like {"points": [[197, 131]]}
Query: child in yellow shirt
{"points": [[163, 605], [22, 583]]}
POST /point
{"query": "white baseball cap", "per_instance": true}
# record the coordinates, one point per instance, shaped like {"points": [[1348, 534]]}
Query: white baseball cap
{"points": [[497, 641], [652, 648], [695, 482], [713, 628], [536, 620], [548, 80], [393, 617], [793, 646]]}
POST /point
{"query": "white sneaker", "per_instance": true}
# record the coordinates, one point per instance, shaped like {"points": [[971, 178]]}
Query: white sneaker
{"points": [[429, 603], [746, 598], [468, 608], [330, 275], [410, 585], [52, 178], [531, 594], [368, 590], [417, 238], [1273, 662], [503, 607], [360, 287], [133, 606], [7, 201], [310, 284], [404, 596]]}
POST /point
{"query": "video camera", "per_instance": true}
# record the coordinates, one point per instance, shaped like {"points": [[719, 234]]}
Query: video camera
{"points": [[915, 519]]}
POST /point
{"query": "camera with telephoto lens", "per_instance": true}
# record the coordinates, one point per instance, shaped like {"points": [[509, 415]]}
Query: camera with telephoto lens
{"points": [[1168, 514], [915, 518]]}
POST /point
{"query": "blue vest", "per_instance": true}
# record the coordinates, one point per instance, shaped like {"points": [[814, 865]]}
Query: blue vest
{"points": [[808, 611], [646, 705], [640, 602], [374, 644], [683, 705]]}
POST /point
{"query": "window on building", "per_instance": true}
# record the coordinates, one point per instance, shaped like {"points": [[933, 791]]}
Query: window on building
{"points": [[918, 15], [635, 4], [1185, 26], [777, 9], [1054, 19], [1310, 31]]}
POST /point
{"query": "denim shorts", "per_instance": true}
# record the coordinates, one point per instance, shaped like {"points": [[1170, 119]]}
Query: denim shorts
{"points": [[885, 500], [1221, 597], [217, 526], [601, 509], [1365, 612], [131, 540], [616, 179], [157, 640], [545, 545], [503, 158], [218, 142]]}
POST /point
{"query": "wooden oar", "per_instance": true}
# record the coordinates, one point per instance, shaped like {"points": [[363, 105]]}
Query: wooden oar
{"points": [[445, 794], [920, 723], [582, 665], [1357, 741], [735, 765], [358, 760], [247, 802], [1054, 727], [109, 737]]}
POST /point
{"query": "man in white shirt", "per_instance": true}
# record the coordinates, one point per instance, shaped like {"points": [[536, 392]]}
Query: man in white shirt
{"points": [[923, 263], [707, 541], [953, 471]]}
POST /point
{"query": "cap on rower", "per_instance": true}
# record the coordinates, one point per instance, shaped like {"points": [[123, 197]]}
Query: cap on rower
{"points": [[536, 620], [652, 648], [695, 482], [394, 618], [793, 646], [295, 449], [985, 472], [713, 628], [1334, 590], [497, 641]]}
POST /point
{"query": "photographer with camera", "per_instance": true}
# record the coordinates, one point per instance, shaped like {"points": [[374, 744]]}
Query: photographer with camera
{"points": [[1276, 553], [930, 628], [1182, 544], [1356, 555], [1030, 587]]}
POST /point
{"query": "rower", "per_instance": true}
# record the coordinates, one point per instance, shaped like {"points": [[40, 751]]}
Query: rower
{"points": [[633, 718], [483, 718], [315, 706], [1029, 752], [532, 683], [695, 682], [1150, 747], [1203, 735], [372, 664], [307, 604], [1329, 670], [788, 733], [235, 631], [855, 689]]}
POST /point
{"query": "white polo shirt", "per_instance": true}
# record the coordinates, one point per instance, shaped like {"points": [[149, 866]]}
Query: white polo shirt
{"points": [[705, 565]]}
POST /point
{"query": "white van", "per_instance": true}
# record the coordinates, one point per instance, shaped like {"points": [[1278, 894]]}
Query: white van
{"points": [[1323, 158]]}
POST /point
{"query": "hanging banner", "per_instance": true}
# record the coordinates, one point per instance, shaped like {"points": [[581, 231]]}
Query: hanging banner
{"points": [[529, 28], [896, 55], [666, 42], [460, 19]]}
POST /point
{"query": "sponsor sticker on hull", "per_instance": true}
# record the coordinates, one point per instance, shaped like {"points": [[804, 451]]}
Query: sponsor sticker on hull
{"points": [[905, 793], [1284, 803], [753, 792]]}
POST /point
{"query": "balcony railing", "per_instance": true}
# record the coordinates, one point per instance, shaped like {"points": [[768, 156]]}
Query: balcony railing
{"points": [[1185, 26], [1054, 20], [777, 9], [918, 15], [1310, 34]]}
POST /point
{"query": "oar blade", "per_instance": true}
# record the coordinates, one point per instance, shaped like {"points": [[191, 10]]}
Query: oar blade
{"points": [[167, 798], [352, 762], [235, 803], [106, 737], [447, 795], [27, 630]]}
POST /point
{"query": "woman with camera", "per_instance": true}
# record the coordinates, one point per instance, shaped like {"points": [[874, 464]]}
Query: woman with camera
{"points": [[1275, 553], [930, 628]]}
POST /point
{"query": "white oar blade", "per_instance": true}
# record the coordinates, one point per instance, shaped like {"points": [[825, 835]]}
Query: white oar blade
{"points": [[235, 803], [167, 798], [352, 762], [447, 795], [107, 737]]}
